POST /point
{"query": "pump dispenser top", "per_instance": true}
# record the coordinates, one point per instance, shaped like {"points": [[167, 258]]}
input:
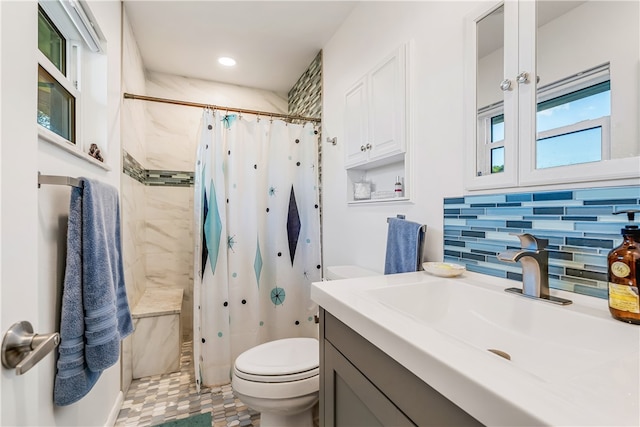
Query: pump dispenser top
{"points": [[624, 273]]}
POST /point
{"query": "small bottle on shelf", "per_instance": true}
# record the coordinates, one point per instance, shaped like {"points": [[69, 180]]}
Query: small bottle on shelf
{"points": [[398, 187]]}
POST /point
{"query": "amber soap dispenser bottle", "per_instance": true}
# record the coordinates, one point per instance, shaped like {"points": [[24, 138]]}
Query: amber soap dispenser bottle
{"points": [[624, 274]]}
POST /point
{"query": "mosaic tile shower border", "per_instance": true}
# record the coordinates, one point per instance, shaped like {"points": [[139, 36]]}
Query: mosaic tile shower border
{"points": [[578, 223], [134, 169]]}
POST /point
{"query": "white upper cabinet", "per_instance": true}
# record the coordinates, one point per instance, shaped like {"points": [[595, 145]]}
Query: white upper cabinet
{"points": [[375, 114], [552, 93]]}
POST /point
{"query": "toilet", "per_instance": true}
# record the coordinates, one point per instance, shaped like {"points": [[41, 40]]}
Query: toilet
{"points": [[281, 379]]}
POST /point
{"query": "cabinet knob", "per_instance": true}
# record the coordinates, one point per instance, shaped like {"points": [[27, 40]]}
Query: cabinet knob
{"points": [[368, 146], [362, 148], [505, 85], [523, 78]]}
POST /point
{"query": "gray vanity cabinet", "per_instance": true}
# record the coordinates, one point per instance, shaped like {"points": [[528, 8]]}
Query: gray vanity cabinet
{"points": [[362, 386]]}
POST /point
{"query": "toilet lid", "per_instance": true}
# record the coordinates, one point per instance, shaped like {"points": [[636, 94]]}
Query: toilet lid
{"points": [[282, 360]]}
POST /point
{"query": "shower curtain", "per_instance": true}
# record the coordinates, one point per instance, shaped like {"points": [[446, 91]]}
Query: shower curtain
{"points": [[257, 234]]}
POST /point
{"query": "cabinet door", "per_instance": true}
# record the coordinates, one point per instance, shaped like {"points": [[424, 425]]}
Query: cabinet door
{"points": [[387, 106], [352, 399], [355, 128]]}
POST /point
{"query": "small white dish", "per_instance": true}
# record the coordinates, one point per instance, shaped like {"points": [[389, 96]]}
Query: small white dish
{"points": [[443, 269]]}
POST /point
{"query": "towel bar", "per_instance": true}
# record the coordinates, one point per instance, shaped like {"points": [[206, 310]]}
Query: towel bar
{"points": [[58, 180], [423, 228]]}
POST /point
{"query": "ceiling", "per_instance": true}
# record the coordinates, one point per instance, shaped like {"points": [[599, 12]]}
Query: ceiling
{"points": [[273, 42]]}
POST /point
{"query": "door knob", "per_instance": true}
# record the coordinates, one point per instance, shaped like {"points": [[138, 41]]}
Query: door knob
{"points": [[22, 349]]}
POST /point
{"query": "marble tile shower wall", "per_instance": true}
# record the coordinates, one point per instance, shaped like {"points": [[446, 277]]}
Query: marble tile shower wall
{"points": [[578, 223]]}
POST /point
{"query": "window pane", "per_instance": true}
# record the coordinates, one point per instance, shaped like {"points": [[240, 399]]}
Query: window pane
{"points": [[569, 149], [50, 42], [497, 160], [56, 106], [497, 128], [574, 107]]}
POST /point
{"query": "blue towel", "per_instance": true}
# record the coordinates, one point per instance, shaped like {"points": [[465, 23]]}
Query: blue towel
{"points": [[95, 311], [403, 240]]}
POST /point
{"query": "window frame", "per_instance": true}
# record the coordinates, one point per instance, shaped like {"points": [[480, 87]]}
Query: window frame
{"points": [[84, 52]]}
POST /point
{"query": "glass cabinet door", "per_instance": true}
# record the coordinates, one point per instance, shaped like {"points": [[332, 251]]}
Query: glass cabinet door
{"points": [[553, 93]]}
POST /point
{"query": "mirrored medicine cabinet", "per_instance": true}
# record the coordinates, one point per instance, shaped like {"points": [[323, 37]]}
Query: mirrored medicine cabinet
{"points": [[552, 93]]}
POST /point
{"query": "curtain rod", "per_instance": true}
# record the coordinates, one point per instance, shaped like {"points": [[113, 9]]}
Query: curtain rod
{"points": [[217, 107]]}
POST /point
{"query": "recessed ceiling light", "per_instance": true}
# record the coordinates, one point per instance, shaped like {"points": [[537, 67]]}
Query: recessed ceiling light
{"points": [[226, 61]]}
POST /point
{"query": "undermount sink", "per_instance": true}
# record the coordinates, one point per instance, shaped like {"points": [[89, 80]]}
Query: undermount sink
{"points": [[553, 343]]}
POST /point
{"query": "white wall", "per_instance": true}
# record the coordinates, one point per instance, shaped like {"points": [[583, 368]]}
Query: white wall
{"points": [[357, 234]]}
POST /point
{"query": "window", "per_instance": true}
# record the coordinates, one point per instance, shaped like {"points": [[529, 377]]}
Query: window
{"points": [[56, 106], [70, 58], [51, 42], [572, 124]]}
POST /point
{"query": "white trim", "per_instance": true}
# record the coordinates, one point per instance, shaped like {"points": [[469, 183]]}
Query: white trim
{"points": [[115, 410]]}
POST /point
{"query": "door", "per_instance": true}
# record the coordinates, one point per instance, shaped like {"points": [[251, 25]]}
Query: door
{"points": [[33, 222], [355, 124], [387, 106], [20, 402]]}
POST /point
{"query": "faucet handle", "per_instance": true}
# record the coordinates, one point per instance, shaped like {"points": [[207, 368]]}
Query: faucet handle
{"points": [[529, 241]]}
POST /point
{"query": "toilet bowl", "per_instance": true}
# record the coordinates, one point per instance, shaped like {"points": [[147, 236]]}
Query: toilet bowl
{"points": [[279, 379]]}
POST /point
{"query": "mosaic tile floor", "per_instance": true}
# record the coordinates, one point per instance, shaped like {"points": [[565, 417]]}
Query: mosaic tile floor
{"points": [[154, 400]]}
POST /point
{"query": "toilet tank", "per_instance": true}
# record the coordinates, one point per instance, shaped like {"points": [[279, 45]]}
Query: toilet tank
{"points": [[338, 272]]}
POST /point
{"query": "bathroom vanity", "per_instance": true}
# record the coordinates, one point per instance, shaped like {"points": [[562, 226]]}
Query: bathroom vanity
{"points": [[362, 385], [415, 349]]}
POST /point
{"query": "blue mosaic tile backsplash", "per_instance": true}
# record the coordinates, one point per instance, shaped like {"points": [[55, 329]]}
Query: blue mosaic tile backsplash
{"points": [[578, 223]]}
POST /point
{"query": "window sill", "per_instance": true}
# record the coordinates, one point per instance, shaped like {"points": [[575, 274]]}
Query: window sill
{"points": [[58, 141]]}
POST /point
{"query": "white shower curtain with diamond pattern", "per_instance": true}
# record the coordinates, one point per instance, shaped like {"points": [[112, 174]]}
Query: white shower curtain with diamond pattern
{"points": [[257, 238]]}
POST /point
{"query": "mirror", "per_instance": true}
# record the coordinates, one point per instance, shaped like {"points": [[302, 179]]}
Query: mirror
{"points": [[587, 93], [489, 96]]}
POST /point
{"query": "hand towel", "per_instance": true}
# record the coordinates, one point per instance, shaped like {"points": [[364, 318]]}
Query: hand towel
{"points": [[403, 241], [95, 311], [107, 315]]}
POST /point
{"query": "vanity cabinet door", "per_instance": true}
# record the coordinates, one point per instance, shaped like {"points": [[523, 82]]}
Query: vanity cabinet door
{"points": [[360, 385], [355, 401]]}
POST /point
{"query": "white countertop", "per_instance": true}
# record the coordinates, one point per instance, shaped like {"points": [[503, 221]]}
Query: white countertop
{"points": [[491, 389]]}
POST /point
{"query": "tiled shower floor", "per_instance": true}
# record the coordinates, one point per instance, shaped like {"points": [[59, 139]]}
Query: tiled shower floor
{"points": [[154, 400]]}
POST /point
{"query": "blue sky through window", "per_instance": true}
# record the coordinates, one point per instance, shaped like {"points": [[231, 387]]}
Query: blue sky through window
{"points": [[582, 146]]}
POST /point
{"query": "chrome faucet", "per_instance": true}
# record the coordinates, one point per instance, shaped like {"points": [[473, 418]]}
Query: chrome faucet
{"points": [[535, 268]]}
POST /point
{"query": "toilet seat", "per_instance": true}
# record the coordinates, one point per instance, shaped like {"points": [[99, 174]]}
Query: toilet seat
{"points": [[285, 360]]}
